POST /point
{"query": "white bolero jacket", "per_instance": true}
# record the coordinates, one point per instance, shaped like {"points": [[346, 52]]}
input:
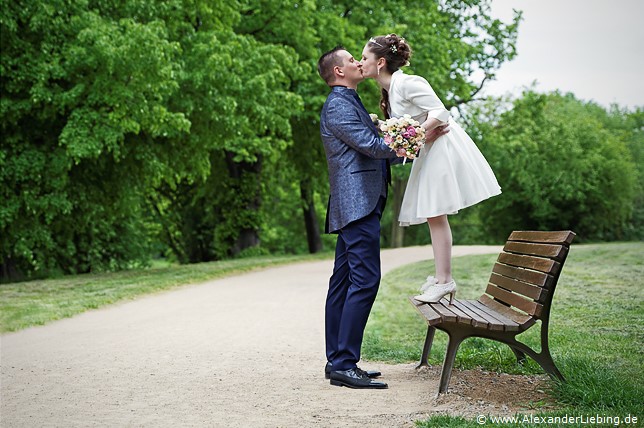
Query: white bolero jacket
{"points": [[413, 95]]}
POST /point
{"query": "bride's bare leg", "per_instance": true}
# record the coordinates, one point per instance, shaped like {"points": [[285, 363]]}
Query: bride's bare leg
{"points": [[441, 235]]}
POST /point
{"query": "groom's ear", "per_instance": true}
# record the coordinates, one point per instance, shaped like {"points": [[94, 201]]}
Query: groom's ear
{"points": [[338, 71]]}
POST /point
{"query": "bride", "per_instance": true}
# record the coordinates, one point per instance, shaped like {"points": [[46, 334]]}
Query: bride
{"points": [[448, 175]]}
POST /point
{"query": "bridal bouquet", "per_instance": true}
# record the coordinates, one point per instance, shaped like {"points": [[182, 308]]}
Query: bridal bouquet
{"points": [[403, 135]]}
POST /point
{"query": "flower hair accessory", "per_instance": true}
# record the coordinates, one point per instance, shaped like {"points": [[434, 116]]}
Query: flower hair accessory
{"points": [[393, 46]]}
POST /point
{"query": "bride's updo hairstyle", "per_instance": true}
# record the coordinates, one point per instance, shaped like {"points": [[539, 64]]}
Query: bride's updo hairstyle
{"points": [[393, 48], [397, 52]]}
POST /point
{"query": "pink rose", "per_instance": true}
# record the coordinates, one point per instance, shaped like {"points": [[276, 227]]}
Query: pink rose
{"points": [[411, 131]]}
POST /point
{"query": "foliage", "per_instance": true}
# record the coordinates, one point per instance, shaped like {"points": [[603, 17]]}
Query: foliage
{"points": [[104, 102], [562, 164], [85, 129], [242, 130], [190, 129], [630, 126]]}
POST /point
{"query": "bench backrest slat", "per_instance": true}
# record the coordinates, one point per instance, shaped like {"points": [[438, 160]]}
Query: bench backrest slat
{"points": [[530, 276], [528, 262], [559, 237], [522, 319], [523, 288], [514, 299], [555, 252], [526, 273]]}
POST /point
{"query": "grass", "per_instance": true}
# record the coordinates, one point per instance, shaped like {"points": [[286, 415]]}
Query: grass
{"points": [[26, 304], [596, 335]]}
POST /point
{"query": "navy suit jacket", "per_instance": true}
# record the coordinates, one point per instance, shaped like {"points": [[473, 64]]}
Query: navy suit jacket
{"points": [[355, 155]]}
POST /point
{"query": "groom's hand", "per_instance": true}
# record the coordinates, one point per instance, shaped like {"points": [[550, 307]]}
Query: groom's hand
{"points": [[439, 131]]}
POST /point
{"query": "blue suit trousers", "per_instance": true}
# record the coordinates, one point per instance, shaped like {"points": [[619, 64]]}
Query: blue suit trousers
{"points": [[352, 288]]}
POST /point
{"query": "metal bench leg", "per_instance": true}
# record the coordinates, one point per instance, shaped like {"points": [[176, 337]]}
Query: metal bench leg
{"points": [[519, 354], [450, 355], [543, 358], [427, 347], [546, 362]]}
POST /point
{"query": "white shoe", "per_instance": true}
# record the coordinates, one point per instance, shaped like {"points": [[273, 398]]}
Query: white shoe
{"points": [[436, 292], [430, 281]]}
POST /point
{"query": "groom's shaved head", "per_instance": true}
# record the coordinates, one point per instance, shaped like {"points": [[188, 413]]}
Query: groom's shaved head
{"points": [[326, 63]]}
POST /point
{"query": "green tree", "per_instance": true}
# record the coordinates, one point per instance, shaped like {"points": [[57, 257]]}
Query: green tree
{"points": [[235, 90], [113, 107], [280, 22], [629, 127], [84, 114], [562, 164]]}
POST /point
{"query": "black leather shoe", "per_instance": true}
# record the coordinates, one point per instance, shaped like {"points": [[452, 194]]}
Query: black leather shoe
{"points": [[355, 378], [370, 373]]}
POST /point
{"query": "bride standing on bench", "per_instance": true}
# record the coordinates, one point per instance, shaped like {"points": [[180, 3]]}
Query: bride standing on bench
{"points": [[448, 175]]}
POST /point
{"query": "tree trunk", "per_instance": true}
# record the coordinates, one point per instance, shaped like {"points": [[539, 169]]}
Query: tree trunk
{"points": [[247, 238], [10, 270], [310, 218], [246, 175], [398, 191]]}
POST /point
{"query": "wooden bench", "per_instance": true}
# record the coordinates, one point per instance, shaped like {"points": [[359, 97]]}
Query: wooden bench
{"points": [[519, 293]]}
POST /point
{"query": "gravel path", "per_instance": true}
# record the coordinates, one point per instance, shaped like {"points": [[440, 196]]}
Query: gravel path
{"points": [[236, 352]]}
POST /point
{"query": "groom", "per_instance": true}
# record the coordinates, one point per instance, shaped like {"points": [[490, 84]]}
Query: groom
{"points": [[358, 163]]}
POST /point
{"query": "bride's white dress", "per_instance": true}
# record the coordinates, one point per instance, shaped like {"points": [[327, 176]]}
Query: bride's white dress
{"points": [[449, 174]]}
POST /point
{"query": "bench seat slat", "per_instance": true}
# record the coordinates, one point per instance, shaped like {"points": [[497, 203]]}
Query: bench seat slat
{"points": [[477, 320], [493, 323], [541, 250], [535, 293], [431, 316], [444, 311], [532, 276], [462, 317], [523, 320], [508, 324], [556, 237], [529, 262], [494, 318], [513, 299]]}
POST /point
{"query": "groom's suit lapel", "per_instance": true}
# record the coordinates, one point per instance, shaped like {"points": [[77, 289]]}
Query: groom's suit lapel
{"points": [[362, 111]]}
